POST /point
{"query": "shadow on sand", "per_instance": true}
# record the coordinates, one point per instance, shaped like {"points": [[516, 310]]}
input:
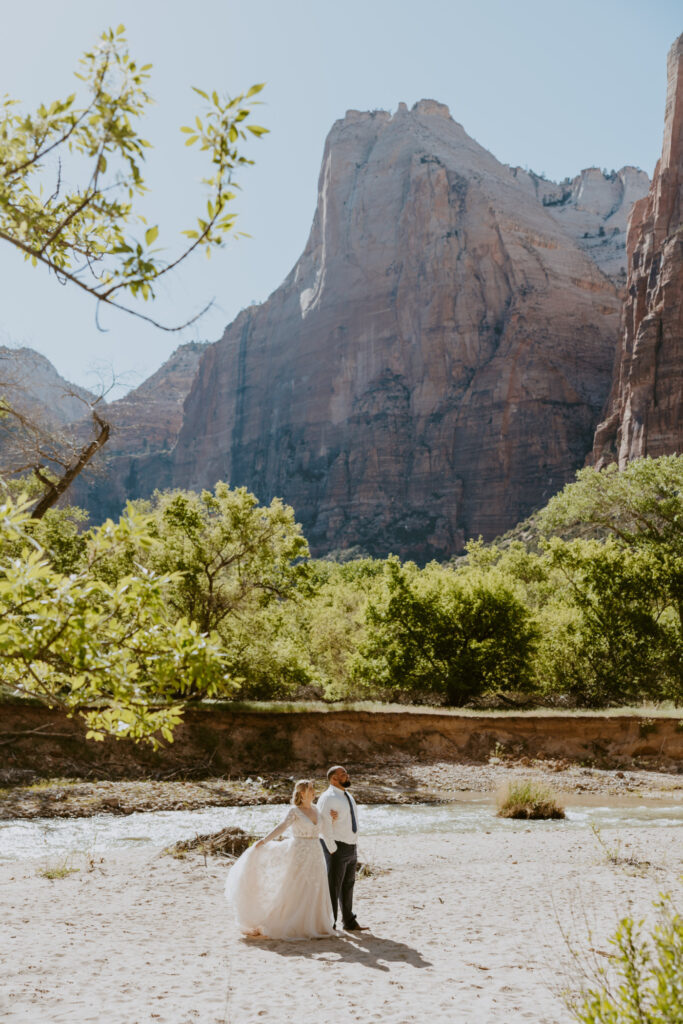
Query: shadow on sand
{"points": [[362, 948]]}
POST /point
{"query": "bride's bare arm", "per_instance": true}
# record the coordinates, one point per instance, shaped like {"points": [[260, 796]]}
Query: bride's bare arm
{"points": [[278, 830]]}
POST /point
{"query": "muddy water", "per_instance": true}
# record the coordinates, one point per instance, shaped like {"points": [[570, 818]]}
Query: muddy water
{"points": [[472, 812]]}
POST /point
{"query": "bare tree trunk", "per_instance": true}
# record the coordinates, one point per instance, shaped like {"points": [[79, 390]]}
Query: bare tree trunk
{"points": [[55, 489]]}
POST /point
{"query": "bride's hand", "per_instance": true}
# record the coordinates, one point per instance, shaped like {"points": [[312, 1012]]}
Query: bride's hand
{"points": [[334, 815], [259, 842]]}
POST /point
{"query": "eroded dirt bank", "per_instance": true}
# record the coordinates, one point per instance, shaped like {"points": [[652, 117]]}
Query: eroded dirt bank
{"points": [[216, 740], [227, 757]]}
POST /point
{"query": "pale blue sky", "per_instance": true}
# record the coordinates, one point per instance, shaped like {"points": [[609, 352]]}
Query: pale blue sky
{"points": [[555, 87]]}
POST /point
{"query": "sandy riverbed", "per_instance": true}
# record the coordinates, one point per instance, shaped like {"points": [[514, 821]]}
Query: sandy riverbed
{"points": [[466, 929]]}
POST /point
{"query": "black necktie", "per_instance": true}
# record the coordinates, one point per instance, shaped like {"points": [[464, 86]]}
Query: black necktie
{"points": [[354, 827]]}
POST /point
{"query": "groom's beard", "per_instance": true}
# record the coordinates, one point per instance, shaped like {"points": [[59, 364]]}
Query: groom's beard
{"points": [[346, 784]]}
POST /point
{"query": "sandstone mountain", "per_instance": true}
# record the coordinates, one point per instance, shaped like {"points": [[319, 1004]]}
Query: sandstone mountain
{"points": [[645, 411], [432, 368], [145, 425], [31, 384], [593, 208], [434, 365], [42, 404]]}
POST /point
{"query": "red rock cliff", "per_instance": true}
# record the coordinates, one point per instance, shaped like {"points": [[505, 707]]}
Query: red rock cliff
{"points": [[433, 367], [145, 425], [645, 410]]}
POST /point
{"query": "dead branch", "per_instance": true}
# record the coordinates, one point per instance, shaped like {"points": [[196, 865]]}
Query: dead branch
{"points": [[55, 489]]}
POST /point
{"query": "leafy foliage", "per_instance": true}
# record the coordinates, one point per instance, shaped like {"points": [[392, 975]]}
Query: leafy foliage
{"points": [[229, 551], [195, 595], [611, 630], [114, 653], [232, 563], [80, 232], [641, 506], [433, 632], [646, 982]]}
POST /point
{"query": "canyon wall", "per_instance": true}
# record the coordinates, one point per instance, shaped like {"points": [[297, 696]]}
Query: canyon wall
{"points": [[31, 384], [144, 428], [645, 410], [435, 364]]}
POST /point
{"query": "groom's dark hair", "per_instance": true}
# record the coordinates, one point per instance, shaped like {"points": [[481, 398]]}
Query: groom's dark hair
{"points": [[333, 770]]}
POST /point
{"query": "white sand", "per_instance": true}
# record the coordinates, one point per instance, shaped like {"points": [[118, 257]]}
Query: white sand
{"points": [[465, 929]]}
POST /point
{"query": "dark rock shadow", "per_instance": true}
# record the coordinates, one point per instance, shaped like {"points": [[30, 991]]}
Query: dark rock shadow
{"points": [[364, 948]]}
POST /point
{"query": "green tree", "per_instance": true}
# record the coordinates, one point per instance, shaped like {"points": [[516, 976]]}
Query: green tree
{"points": [[609, 632], [331, 623], [431, 631], [113, 652], [81, 232], [234, 564], [227, 551], [642, 503], [641, 506], [71, 181]]}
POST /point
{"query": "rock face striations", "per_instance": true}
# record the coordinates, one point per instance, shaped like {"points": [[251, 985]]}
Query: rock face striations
{"points": [[145, 426], [645, 410], [435, 364]]}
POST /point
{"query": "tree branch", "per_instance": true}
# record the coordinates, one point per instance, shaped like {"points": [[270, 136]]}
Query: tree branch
{"points": [[55, 490]]}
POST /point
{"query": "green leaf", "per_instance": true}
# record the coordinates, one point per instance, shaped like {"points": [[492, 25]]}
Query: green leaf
{"points": [[191, 141], [255, 88], [151, 235], [200, 92], [257, 130]]}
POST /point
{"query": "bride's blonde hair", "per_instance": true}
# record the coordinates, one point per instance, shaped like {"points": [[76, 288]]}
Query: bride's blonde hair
{"points": [[299, 789]]}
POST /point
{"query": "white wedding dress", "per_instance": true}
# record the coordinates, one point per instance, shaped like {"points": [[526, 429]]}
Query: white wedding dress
{"points": [[280, 890]]}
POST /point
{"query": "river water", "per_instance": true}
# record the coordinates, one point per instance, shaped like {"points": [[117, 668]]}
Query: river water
{"points": [[474, 812]]}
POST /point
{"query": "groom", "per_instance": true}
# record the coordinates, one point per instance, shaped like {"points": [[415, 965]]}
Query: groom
{"points": [[341, 809]]}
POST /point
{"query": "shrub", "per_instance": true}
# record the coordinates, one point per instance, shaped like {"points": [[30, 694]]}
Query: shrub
{"points": [[528, 799], [645, 980], [436, 632]]}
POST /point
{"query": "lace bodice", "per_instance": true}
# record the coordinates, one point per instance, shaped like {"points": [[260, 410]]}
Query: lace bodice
{"points": [[302, 827]]}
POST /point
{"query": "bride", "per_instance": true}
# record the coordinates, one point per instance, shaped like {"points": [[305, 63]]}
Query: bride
{"points": [[280, 890]]}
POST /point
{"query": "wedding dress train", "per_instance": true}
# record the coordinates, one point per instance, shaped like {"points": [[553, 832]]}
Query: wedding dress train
{"points": [[280, 890]]}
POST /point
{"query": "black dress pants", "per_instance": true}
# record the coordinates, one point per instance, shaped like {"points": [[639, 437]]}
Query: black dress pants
{"points": [[341, 875]]}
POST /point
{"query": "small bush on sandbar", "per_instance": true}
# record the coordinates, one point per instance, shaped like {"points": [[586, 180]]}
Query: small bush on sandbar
{"points": [[528, 800]]}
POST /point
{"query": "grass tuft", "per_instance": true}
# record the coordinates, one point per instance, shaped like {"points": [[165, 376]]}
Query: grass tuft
{"points": [[60, 870], [528, 799]]}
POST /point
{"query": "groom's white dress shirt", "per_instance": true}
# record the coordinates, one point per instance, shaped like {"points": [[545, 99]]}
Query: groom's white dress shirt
{"points": [[334, 799]]}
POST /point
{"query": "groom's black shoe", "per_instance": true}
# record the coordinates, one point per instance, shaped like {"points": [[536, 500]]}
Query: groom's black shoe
{"points": [[355, 927]]}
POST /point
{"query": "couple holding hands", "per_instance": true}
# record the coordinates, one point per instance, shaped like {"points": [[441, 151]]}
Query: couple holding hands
{"points": [[294, 889]]}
